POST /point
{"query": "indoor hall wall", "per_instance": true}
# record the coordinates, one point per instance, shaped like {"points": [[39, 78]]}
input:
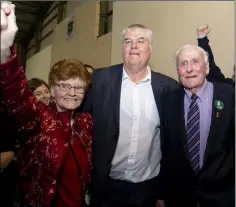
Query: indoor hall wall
{"points": [[84, 45], [38, 66], [174, 25], [48, 40], [70, 7]]}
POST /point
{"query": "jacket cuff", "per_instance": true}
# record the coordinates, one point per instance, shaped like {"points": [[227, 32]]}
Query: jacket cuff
{"points": [[203, 41]]}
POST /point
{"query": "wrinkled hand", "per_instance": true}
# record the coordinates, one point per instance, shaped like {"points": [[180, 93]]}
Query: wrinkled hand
{"points": [[160, 203], [8, 29], [203, 31], [5, 158]]}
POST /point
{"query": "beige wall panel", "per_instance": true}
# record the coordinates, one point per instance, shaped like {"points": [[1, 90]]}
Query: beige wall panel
{"points": [[84, 46], [38, 66], [174, 25]]}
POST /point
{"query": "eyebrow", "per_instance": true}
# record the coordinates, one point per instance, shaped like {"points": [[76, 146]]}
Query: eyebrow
{"points": [[139, 38]]}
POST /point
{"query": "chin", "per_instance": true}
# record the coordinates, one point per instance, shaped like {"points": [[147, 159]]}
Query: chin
{"points": [[47, 102], [72, 107]]}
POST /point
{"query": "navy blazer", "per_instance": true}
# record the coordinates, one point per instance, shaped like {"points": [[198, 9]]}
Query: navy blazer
{"points": [[103, 101]]}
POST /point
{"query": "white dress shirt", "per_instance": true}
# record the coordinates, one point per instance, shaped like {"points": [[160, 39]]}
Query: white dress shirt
{"points": [[137, 156]]}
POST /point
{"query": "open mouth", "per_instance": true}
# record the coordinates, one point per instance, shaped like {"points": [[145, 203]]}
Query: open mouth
{"points": [[45, 100]]}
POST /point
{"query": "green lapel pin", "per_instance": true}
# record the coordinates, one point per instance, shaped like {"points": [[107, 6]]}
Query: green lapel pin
{"points": [[219, 104]]}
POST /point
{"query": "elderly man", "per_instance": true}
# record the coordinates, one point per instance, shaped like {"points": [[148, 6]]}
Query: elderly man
{"points": [[198, 142], [126, 100]]}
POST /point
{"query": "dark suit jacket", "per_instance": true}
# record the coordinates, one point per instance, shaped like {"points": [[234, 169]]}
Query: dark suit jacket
{"points": [[103, 101], [214, 185]]}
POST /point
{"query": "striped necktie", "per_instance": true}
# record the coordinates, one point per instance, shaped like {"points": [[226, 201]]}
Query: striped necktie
{"points": [[193, 134]]}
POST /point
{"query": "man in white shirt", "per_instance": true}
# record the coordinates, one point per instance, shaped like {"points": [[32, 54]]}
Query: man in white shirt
{"points": [[125, 104]]}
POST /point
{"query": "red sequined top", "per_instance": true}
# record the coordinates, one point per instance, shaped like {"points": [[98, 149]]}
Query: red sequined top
{"points": [[48, 170]]}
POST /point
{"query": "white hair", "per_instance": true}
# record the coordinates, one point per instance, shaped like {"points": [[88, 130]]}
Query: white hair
{"points": [[196, 48], [140, 26]]}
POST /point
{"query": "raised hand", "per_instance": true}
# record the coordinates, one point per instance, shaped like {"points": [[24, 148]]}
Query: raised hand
{"points": [[8, 29], [203, 31], [5, 159]]}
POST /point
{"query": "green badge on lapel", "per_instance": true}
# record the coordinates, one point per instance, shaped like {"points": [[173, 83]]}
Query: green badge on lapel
{"points": [[219, 104]]}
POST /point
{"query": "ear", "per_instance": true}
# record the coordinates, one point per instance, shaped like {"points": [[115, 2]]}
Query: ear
{"points": [[150, 47], [207, 69], [207, 66]]}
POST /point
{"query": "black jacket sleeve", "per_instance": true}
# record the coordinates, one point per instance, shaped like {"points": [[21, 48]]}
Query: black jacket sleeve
{"points": [[215, 74]]}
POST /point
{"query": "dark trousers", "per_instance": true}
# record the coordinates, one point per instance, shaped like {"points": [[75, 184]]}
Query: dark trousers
{"points": [[121, 193]]}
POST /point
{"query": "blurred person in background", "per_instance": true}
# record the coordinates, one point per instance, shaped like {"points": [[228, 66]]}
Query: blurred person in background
{"points": [[40, 89], [89, 68]]}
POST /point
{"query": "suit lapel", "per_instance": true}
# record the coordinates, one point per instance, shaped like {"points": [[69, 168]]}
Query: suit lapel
{"points": [[115, 83], [157, 88], [180, 117], [216, 122]]}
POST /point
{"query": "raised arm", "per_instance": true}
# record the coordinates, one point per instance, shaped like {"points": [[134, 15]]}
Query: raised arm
{"points": [[15, 95], [215, 73]]}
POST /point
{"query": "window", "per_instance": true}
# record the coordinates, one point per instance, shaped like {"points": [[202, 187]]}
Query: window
{"points": [[105, 12]]}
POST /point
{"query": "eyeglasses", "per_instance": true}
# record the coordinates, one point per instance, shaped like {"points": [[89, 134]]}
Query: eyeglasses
{"points": [[67, 88]]}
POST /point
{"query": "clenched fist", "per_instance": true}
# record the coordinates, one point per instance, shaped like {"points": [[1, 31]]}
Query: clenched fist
{"points": [[5, 159], [203, 31], [8, 29]]}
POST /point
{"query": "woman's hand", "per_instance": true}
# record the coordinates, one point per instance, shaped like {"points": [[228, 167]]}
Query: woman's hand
{"points": [[5, 158], [8, 29]]}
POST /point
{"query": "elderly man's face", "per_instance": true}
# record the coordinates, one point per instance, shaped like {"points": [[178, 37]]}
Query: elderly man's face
{"points": [[192, 69], [136, 48]]}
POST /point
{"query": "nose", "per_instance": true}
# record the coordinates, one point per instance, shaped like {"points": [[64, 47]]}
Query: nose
{"points": [[189, 68], [134, 44], [72, 91]]}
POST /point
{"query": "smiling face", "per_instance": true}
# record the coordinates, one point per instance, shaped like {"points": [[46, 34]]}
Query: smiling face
{"points": [[192, 68], [42, 94], [136, 49], [68, 94]]}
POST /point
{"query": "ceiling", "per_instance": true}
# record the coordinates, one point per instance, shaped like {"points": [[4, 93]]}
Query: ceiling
{"points": [[28, 14]]}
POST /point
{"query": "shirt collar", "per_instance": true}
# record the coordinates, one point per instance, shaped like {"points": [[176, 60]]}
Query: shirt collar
{"points": [[145, 79], [202, 93]]}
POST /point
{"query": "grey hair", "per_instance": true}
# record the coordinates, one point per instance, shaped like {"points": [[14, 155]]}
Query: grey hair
{"points": [[140, 26], [197, 48]]}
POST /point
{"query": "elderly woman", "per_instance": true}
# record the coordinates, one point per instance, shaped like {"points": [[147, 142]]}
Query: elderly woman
{"points": [[56, 158], [40, 89]]}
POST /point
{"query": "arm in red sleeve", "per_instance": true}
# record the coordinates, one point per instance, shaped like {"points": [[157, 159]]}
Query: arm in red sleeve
{"points": [[20, 101]]}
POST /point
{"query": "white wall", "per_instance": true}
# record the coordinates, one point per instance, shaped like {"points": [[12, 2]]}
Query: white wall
{"points": [[38, 66], [174, 24]]}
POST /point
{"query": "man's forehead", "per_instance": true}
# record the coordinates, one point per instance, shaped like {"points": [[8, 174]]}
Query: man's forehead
{"points": [[136, 33], [190, 53]]}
